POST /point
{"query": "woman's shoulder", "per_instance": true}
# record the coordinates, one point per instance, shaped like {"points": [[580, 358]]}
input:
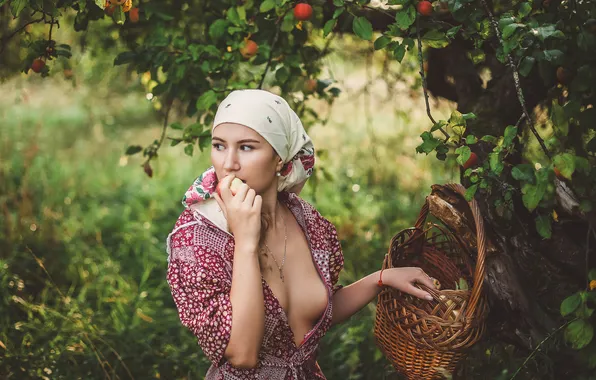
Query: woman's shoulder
{"points": [[311, 213], [192, 228]]}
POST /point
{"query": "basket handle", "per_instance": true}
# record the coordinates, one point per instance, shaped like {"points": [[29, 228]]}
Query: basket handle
{"points": [[481, 247], [480, 241]]}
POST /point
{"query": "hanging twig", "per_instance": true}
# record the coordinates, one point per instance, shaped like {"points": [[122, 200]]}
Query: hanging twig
{"points": [[5, 39], [540, 345], [272, 44], [520, 94], [165, 124], [423, 76]]}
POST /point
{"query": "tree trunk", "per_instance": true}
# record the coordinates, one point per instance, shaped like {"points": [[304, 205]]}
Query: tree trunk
{"points": [[526, 277]]}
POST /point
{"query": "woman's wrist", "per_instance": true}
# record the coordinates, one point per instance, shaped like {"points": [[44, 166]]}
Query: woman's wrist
{"points": [[246, 249], [378, 280]]}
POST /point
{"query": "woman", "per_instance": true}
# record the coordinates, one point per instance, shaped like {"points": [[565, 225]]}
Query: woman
{"points": [[254, 275]]}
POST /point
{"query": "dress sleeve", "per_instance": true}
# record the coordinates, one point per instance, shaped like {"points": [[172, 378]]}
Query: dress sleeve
{"points": [[336, 258], [200, 287]]}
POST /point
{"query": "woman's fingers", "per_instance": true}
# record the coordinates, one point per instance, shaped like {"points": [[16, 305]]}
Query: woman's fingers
{"points": [[417, 292], [426, 280], [221, 204], [250, 197], [256, 206], [241, 193], [224, 188]]}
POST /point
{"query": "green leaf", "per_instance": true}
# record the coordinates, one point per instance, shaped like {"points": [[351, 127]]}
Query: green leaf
{"points": [[525, 66], [544, 226], [570, 304], [470, 192], [282, 74], [100, 4], [510, 29], [524, 173], [533, 194], [241, 12], [176, 125], [463, 153], [554, 56], [524, 9], [489, 139], [456, 118], [206, 100], [362, 28], [548, 31], [565, 162], [124, 58], [462, 284], [592, 275], [579, 333], [218, 29], [133, 149], [435, 39], [266, 6], [118, 16], [189, 149], [471, 139], [204, 142], [405, 17], [329, 25], [453, 31], [233, 16], [17, 6], [496, 164], [381, 42], [559, 119], [438, 125], [429, 143], [338, 12], [399, 52], [509, 135], [585, 206]]}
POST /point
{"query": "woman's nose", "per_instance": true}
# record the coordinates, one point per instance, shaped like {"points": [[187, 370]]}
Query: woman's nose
{"points": [[231, 161]]}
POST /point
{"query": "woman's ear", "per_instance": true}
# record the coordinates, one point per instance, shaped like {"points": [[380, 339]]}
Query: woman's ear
{"points": [[279, 166]]}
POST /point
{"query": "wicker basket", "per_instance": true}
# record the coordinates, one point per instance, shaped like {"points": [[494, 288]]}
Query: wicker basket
{"points": [[426, 339]]}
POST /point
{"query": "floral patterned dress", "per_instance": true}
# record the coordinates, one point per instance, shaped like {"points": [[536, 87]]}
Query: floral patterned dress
{"points": [[201, 258]]}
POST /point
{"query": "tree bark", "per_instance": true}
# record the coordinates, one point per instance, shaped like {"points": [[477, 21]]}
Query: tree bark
{"points": [[526, 277]]}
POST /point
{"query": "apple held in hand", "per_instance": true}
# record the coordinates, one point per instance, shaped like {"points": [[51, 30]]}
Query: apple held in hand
{"points": [[234, 186]]}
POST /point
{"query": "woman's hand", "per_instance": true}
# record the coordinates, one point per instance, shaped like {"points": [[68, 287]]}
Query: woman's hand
{"points": [[242, 211], [403, 279]]}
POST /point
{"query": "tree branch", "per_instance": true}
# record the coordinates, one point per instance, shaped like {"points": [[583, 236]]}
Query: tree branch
{"points": [[513, 67], [424, 85], [540, 345], [5, 39]]}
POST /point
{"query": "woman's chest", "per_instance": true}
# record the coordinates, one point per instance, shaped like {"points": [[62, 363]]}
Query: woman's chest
{"points": [[298, 281]]}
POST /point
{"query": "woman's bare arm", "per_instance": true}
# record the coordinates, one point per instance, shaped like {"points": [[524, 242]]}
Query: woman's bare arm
{"points": [[348, 300], [248, 318]]}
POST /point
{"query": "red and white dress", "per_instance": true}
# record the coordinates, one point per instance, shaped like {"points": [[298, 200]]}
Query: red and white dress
{"points": [[201, 256]]}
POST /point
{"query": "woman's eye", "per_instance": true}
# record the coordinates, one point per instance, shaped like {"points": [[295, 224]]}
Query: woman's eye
{"points": [[246, 147], [217, 146]]}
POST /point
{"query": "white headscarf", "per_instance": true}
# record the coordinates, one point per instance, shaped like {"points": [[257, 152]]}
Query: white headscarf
{"points": [[273, 118]]}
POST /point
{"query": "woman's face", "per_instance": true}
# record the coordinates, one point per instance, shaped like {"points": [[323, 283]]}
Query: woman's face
{"points": [[239, 150]]}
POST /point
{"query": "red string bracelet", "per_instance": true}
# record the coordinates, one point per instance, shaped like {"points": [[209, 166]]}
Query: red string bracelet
{"points": [[380, 282]]}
